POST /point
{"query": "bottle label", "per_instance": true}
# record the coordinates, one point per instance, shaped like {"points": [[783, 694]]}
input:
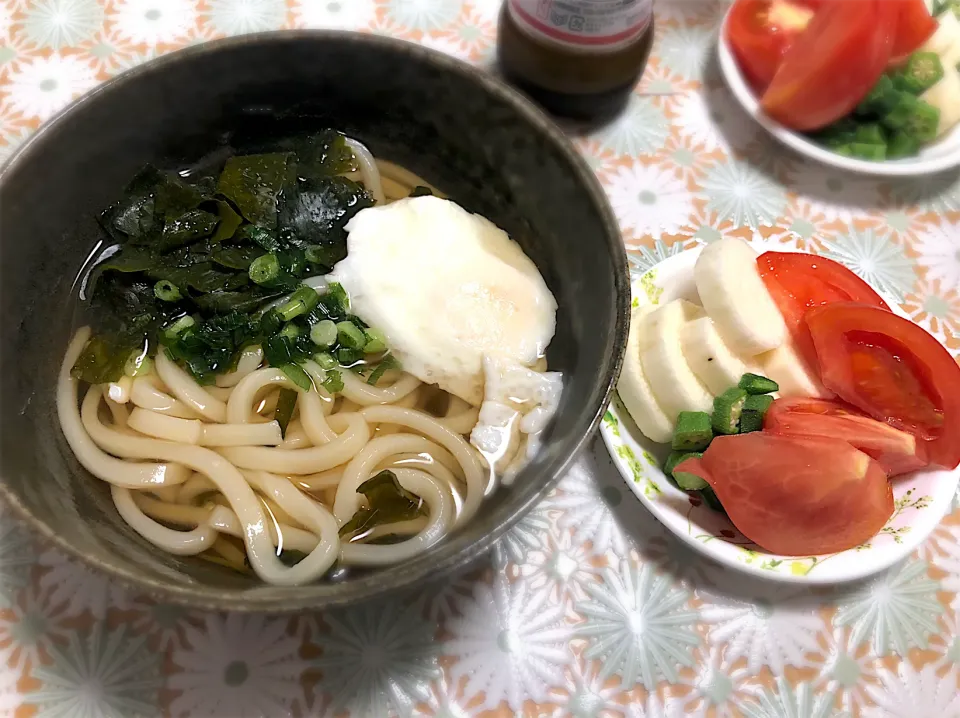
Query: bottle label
{"points": [[601, 25]]}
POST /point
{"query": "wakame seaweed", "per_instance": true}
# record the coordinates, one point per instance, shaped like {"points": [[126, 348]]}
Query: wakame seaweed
{"points": [[202, 237], [387, 503]]}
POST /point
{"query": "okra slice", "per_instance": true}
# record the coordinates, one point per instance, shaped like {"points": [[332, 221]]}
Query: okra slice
{"points": [[756, 384], [693, 432], [689, 482], [675, 459], [922, 71], [758, 402], [751, 420], [726, 410], [711, 500]]}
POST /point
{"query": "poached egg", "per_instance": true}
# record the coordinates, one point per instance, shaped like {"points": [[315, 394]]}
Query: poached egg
{"points": [[447, 288]]}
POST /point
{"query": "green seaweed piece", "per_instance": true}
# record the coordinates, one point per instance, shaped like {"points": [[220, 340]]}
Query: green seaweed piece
{"points": [[253, 183], [387, 503]]}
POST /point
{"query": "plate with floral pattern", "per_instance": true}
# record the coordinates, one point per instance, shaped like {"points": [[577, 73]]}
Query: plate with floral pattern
{"points": [[920, 499]]}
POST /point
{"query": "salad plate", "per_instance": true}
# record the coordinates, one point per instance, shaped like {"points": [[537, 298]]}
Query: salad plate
{"points": [[937, 156], [920, 498]]}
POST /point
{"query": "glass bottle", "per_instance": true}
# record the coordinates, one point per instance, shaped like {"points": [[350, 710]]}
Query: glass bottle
{"points": [[578, 59]]}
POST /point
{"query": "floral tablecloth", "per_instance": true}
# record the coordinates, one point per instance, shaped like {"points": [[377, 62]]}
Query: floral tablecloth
{"points": [[587, 608]]}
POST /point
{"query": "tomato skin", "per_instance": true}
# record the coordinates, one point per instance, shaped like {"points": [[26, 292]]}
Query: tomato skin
{"points": [[759, 36], [832, 64], [896, 451], [892, 370], [915, 25], [798, 281], [796, 496]]}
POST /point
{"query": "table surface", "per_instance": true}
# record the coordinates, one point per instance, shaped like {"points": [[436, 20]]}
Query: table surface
{"points": [[587, 608]]}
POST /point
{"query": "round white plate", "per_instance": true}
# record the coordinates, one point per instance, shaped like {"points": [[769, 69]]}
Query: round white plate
{"points": [[921, 499], [943, 154]]}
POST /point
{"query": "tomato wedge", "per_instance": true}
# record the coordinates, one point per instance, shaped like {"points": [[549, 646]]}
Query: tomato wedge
{"points": [[895, 450], [799, 282], [760, 31], [796, 496], [915, 25], [892, 370], [832, 64]]}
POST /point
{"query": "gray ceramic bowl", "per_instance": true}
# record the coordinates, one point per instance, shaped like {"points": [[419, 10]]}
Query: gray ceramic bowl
{"points": [[480, 142]]}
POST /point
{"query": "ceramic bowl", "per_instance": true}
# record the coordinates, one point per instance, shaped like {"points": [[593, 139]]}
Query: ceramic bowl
{"points": [[937, 157], [921, 498], [480, 142]]}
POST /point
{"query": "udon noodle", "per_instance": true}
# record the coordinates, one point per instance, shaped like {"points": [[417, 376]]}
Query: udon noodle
{"points": [[204, 470]]}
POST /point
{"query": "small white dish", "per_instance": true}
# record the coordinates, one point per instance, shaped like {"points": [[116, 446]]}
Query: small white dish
{"points": [[921, 499], [942, 155]]}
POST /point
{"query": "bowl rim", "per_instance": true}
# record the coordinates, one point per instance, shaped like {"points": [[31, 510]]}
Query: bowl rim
{"points": [[741, 90], [612, 440], [454, 555]]}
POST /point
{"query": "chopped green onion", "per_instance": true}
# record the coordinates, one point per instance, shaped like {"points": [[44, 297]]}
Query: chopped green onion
{"points": [[693, 431], [376, 342], [325, 360], [336, 298], [286, 403], [350, 335], [323, 333], [265, 269], [177, 328], [138, 364], [334, 382], [290, 331], [297, 375], [348, 357], [322, 254], [301, 302], [388, 362], [167, 291]]}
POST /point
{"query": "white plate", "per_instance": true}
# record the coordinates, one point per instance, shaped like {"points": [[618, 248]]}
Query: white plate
{"points": [[921, 499], [943, 154]]}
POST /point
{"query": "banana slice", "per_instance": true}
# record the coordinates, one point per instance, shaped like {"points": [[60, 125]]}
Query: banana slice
{"points": [[735, 297], [786, 367], [635, 391], [709, 357], [673, 382], [945, 96]]}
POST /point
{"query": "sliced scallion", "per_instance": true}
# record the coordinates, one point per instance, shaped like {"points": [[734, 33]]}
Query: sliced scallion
{"points": [[301, 302], [376, 342], [167, 291], [265, 269], [324, 333], [177, 328], [350, 335]]}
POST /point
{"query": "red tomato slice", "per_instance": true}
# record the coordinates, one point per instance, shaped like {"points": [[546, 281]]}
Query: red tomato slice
{"points": [[759, 32], [799, 282], [832, 64], [895, 450], [892, 370], [915, 25], [796, 496]]}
